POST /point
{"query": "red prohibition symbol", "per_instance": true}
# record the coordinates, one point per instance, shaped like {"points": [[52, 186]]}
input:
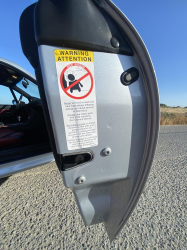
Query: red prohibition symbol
{"points": [[88, 74]]}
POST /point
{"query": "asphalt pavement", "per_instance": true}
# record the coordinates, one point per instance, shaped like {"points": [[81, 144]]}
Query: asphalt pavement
{"points": [[38, 212]]}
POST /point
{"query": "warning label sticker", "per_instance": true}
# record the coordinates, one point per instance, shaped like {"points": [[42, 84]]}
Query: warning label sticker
{"points": [[75, 72]]}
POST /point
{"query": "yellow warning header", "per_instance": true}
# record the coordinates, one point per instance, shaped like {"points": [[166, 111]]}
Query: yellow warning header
{"points": [[64, 55]]}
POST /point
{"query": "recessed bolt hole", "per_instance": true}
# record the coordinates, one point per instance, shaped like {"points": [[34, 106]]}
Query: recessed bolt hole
{"points": [[106, 151], [81, 179]]}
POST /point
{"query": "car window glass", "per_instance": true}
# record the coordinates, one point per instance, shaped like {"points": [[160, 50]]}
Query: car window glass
{"points": [[32, 89], [5, 95], [24, 99]]}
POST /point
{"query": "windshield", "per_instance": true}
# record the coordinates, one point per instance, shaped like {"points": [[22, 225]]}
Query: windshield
{"points": [[29, 87]]}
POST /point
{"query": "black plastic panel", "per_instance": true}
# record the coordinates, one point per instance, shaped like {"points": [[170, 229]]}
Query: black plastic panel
{"points": [[77, 24], [27, 38]]}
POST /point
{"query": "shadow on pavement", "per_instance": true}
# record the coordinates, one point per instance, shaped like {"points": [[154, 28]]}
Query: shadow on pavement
{"points": [[2, 180]]}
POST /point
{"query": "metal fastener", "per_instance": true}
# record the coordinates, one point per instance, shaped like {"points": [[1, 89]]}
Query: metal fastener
{"points": [[107, 151], [81, 179]]}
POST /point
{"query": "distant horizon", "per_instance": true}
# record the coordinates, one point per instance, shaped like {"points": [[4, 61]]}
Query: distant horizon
{"points": [[173, 106]]}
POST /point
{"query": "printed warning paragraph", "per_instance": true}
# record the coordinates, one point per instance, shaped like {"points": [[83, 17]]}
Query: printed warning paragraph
{"points": [[81, 126]]}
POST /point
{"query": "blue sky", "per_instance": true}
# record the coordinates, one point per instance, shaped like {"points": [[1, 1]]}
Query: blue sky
{"points": [[160, 23]]}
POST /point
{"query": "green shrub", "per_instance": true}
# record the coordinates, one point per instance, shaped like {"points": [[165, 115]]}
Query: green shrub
{"points": [[162, 105]]}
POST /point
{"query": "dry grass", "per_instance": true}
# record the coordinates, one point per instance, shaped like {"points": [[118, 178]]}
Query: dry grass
{"points": [[174, 110], [173, 116]]}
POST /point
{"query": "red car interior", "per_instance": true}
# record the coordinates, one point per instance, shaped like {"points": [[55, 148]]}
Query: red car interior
{"points": [[23, 131], [9, 137]]}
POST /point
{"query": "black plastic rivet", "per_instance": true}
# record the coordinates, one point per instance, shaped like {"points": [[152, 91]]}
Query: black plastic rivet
{"points": [[114, 42], [129, 76]]}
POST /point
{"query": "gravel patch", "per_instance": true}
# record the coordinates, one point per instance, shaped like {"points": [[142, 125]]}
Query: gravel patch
{"points": [[38, 212]]}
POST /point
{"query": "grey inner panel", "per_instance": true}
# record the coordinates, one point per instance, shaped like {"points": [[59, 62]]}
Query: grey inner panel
{"points": [[117, 107], [121, 120]]}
